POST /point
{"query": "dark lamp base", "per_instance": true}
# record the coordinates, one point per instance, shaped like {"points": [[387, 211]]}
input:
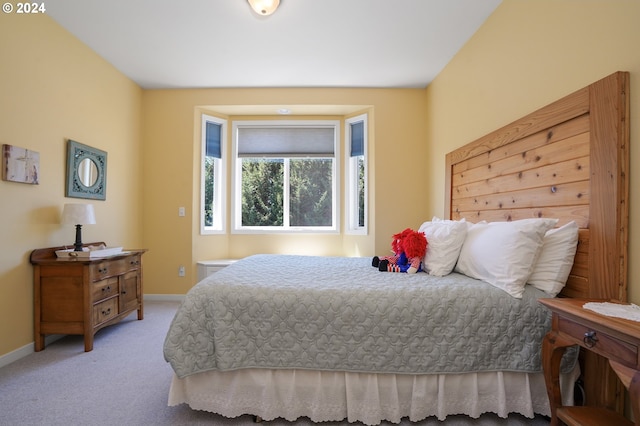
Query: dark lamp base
{"points": [[78, 244]]}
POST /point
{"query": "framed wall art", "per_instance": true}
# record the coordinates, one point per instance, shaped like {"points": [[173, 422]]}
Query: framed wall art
{"points": [[86, 172], [20, 165]]}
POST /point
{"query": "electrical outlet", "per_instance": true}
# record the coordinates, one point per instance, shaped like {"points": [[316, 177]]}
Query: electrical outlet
{"points": [[181, 211], [181, 271]]}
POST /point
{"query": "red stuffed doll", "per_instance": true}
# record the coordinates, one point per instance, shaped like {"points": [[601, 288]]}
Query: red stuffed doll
{"points": [[409, 248]]}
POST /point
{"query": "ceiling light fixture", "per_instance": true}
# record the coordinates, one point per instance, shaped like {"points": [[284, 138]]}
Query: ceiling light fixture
{"points": [[264, 7]]}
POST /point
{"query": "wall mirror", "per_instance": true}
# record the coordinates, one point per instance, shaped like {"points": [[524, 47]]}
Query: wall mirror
{"points": [[86, 171]]}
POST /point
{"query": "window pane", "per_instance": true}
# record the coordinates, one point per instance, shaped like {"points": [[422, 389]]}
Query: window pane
{"points": [[356, 187], [262, 192], [212, 174], [361, 190], [310, 186], [209, 185]]}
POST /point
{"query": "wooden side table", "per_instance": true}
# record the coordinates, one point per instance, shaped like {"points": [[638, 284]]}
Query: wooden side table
{"points": [[616, 339]]}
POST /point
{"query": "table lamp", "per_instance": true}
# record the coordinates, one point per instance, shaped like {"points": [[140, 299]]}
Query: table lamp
{"points": [[78, 215]]}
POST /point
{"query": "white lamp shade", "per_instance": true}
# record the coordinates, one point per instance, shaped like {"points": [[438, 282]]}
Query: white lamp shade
{"points": [[78, 214], [264, 7]]}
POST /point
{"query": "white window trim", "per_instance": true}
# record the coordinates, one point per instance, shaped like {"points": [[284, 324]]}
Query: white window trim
{"points": [[220, 190], [351, 212], [236, 213]]}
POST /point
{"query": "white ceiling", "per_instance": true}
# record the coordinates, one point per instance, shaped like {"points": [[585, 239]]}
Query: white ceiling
{"points": [[305, 43]]}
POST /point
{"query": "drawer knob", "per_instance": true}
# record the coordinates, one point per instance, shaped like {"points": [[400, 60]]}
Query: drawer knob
{"points": [[106, 312], [105, 289], [590, 339]]}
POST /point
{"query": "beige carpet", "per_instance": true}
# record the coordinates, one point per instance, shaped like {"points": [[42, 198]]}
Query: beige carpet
{"points": [[124, 381]]}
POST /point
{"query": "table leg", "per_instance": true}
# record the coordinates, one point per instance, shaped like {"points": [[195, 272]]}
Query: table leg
{"points": [[553, 347]]}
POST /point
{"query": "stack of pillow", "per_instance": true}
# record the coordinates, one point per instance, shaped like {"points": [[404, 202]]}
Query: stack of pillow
{"points": [[507, 255]]}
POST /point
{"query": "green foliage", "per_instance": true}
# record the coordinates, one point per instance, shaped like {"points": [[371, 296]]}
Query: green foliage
{"points": [[208, 190], [310, 192], [262, 192], [361, 169]]}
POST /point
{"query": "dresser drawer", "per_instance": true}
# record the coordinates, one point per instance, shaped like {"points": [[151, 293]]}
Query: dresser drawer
{"points": [[104, 311], [110, 268], [603, 344], [104, 288], [133, 262]]}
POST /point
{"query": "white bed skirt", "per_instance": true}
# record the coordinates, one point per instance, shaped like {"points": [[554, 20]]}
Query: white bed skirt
{"points": [[367, 398]]}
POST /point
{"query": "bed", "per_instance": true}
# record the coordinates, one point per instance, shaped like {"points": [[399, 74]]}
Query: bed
{"points": [[334, 338]]}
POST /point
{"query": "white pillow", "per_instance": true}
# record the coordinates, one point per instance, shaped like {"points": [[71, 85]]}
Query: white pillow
{"points": [[444, 241], [551, 270], [503, 253]]}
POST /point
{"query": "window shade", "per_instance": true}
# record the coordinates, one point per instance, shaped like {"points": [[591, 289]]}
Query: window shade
{"points": [[213, 132], [286, 142], [357, 139]]}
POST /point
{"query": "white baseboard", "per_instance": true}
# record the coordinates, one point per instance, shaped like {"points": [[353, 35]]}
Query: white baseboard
{"points": [[164, 297], [27, 349]]}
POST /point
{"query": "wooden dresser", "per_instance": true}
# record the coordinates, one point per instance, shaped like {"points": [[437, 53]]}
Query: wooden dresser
{"points": [[83, 295]]}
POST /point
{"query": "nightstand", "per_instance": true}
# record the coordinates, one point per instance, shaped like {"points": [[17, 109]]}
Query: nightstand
{"points": [[616, 339]]}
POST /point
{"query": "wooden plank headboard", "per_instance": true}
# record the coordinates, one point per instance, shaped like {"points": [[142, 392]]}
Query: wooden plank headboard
{"points": [[568, 160]]}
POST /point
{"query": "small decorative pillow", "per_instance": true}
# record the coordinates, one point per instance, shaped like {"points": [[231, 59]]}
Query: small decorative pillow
{"points": [[444, 239], [554, 264], [503, 253]]}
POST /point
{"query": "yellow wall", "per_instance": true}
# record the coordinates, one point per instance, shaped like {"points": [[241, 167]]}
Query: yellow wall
{"points": [[528, 54], [171, 177], [53, 88]]}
